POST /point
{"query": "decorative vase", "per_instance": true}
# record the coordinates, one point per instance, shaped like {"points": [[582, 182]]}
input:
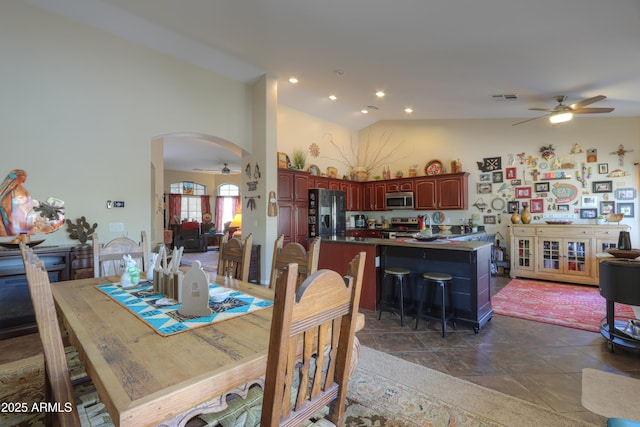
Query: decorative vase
{"points": [[515, 218], [359, 174], [526, 215]]}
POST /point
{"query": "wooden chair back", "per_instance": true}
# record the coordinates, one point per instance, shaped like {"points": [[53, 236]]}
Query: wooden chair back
{"points": [[58, 387], [318, 321], [107, 259], [234, 257], [294, 252]]}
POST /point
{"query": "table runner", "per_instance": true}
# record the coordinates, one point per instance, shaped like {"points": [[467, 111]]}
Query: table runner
{"points": [[166, 320]]}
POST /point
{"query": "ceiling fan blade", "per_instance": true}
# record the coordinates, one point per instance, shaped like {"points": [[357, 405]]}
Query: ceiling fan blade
{"points": [[587, 101], [592, 110], [543, 109], [528, 120]]}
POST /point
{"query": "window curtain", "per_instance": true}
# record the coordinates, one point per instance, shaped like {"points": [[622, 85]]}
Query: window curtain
{"points": [[175, 207], [205, 204]]}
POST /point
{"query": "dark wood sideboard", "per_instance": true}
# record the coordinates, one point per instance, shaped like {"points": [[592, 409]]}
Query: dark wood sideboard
{"points": [[16, 312]]}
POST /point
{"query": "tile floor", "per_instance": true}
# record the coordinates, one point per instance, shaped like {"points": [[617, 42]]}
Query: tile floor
{"points": [[533, 361]]}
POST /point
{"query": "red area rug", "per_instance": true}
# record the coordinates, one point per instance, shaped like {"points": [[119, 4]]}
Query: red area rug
{"points": [[574, 306]]}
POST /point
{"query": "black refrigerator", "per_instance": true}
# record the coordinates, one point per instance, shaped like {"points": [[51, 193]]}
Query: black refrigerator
{"points": [[327, 215]]}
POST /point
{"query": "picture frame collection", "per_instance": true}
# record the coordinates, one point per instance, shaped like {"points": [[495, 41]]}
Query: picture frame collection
{"points": [[599, 199]]}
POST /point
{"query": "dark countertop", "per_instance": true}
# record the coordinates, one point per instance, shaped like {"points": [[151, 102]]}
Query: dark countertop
{"points": [[446, 242]]}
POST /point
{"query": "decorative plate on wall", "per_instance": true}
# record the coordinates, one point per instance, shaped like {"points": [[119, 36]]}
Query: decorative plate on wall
{"points": [[439, 218], [314, 170], [434, 167]]}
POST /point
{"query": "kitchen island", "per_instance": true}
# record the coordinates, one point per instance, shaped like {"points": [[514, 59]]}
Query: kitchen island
{"points": [[468, 261]]}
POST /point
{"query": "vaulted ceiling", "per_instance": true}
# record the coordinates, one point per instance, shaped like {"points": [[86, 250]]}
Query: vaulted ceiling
{"points": [[444, 59]]}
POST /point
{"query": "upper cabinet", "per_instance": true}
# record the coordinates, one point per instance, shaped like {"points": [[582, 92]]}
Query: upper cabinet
{"points": [[442, 192]]}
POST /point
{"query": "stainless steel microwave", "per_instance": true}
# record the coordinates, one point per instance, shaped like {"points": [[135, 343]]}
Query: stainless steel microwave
{"points": [[403, 200]]}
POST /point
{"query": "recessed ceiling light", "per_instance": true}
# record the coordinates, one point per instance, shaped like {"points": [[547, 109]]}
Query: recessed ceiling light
{"points": [[333, 97], [408, 110], [364, 111], [293, 80], [380, 94]]}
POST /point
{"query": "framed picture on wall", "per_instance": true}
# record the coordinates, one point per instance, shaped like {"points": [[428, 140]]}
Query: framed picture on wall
{"points": [[603, 168], [607, 207], [602, 186], [497, 176], [485, 177], [626, 209], [513, 206], [511, 173], [484, 188], [489, 219], [537, 205], [541, 187], [523, 193], [563, 208], [588, 213]]}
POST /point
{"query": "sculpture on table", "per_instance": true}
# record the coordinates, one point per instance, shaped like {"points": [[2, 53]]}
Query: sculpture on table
{"points": [[131, 275], [20, 214]]}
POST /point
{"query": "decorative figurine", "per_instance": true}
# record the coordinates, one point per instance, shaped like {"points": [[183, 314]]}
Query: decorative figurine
{"points": [[131, 275]]}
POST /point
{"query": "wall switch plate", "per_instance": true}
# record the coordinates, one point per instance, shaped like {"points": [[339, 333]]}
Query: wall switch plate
{"points": [[116, 227]]}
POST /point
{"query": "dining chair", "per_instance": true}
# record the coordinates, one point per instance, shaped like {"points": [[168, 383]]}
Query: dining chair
{"points": [[77, 404], [234, 257], [311, 353], [294, 252], [320, 318], [107, 259]]}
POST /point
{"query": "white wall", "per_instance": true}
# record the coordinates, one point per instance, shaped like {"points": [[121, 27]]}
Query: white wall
{"points": [[80, 108]]}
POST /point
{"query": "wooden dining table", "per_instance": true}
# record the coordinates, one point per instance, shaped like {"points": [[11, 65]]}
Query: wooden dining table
{"points": [[146, 379]]}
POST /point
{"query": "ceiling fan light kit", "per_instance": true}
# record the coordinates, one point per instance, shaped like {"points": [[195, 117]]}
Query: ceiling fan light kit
{"points": [[560, 117]]}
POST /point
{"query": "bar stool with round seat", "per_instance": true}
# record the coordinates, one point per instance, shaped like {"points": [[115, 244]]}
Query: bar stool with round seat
{"points": [[427, 290], [395, 278]]}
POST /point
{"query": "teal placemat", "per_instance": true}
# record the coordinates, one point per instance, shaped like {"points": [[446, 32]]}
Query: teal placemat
{"points": [[166, 320]]}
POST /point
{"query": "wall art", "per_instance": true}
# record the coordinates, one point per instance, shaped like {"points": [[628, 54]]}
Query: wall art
{"points": [[513, 206], [523, 193], [485, 177], [602, 186], [607, 207], [589, 201], [489, 219], [537, 206], [497, 177], [626, 209], [489, 164], [588, 213], [484, 188], [603, 167], [512, 173], [542, 187], [625, 193]]}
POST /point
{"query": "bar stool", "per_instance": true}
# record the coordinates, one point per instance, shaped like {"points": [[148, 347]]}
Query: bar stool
{"points": [[427, 291], [394, 277]]}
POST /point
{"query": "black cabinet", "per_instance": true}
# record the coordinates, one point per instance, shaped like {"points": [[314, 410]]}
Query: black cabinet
{"points": [[471, 271], [16, 312]]}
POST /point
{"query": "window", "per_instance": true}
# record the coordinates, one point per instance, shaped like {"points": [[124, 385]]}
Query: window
{"points": [[191, 206], [228, 194], [188, 188]]}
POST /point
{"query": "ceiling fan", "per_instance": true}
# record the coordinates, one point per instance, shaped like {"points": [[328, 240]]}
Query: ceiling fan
{"points": [[225, 170], [562, 113]]}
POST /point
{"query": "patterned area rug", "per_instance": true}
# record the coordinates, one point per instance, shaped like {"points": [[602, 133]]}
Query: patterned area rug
{"points": [[574, 306], [373, 400], [22, 383]]}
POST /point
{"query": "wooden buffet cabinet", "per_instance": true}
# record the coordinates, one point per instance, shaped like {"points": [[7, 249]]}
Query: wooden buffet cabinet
{"points": [[565, 253], [447, 191]]}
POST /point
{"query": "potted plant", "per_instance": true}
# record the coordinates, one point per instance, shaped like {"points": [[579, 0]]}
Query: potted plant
{"points": [[82, 254], [299, 159]]}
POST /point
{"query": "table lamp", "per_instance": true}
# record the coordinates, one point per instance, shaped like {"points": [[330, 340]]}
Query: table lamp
{"points": [[236, 223]]}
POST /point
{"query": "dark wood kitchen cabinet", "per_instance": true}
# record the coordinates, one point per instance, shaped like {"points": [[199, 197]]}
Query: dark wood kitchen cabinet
{"points": [[293, 206], [399, 185], [447, 192], [353, 191], [373, 196]]}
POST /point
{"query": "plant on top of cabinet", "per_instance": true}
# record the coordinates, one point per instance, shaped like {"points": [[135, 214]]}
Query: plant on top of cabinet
{"points": [[299, 159], [365, 157]]}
